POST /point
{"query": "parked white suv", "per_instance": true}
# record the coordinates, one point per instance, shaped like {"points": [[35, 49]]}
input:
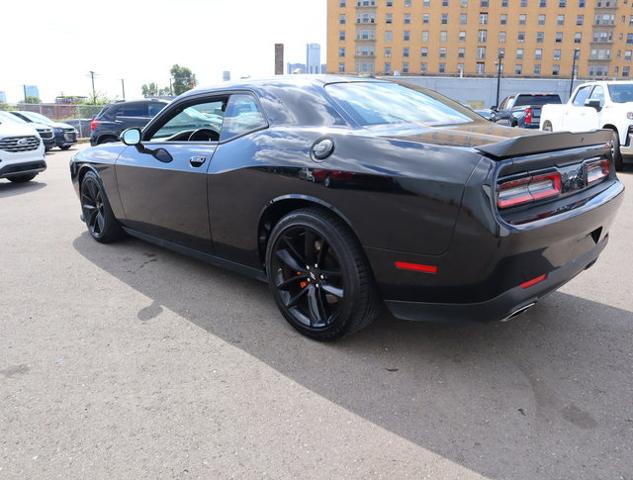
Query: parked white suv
{"points": [[593, 106], [21, 152]]}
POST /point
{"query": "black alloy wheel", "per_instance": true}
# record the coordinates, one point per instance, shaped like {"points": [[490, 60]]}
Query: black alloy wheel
{"points": [[319, 276], [96, 211]]}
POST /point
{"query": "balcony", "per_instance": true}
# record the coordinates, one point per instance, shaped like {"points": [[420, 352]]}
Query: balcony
{"points": [[599, 59], [366, 5]]}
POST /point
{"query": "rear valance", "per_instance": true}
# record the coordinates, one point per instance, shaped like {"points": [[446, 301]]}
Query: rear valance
{"points": [[546, 142]]}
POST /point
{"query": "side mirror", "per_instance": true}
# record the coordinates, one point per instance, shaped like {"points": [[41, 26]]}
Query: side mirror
{"points": [[131, 137], [594, 104]]}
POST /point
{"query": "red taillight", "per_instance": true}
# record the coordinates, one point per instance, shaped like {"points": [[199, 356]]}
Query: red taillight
{"points": [[528, 116], [534, 281], [93, 125], [596, 171], [528, 189], [416, 267]]}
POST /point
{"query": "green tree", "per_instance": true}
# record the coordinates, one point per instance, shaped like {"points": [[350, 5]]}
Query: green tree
{"points": [[182, 79], [150, 89], [32, 100]]}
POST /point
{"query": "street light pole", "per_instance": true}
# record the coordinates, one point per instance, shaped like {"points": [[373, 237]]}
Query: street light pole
{"points": [[94, 94], [573, 71], [499, 64], [123, 88]]}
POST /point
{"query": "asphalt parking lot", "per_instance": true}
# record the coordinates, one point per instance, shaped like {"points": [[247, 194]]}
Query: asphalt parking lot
{"points": [[127, 361]]}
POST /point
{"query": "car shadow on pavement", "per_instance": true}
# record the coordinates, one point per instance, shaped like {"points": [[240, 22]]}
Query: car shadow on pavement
{"points": [[10, 189], [544, 395]]}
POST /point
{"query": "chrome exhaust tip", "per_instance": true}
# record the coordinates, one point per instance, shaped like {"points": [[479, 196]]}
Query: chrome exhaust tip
{"points": [[519, 311]]}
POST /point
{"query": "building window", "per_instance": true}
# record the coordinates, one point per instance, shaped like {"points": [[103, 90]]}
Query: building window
{"points": [[365, 51], [625, 71], [518, 69], [560, 20], [387, 67], [424, 67], [445, 3], [462, 36], [426, 3], [342, 3], [405, 67], [481, 68], [442, 52], [519, 54], [444, 18], [442, 67], [425, 18], [542, 3], [481, 53], [407, 3], [424, 52], [503, 19], [443, 36], [577, 37], [504, 3], [538, 54], [557, 54], [425, 36], [405, 52], [537, 69], [387, 52], [581, 3], [502, 37], [559, 37], [580, 20], [483, 36], [366, 18], [627, 55], [562, 3], [541, 19], [406, 35], [342, 19], [522, 19], [555, 69], [389, 18], [540, 37], [341, 52], [521, 37], [483, 3], [460, 68], [407, 18], [388, 36], [523, 3], [463, 3], [483, 19], [463, 18], [389, 3], [461, 52], [341, 35], [629, 38], [341, 67], [631, 21]]}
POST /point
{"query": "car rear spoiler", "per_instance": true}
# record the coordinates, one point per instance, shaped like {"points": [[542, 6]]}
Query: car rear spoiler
{"points": [[545, 142]]}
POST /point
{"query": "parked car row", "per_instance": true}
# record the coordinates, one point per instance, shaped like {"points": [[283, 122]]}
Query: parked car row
{"points": [[22, 149]]}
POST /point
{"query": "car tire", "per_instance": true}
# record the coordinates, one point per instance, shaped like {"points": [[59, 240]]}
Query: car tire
{"points": [[547, 126], [617, 156], [27, 177], [96, 211], [65, 147], [319, 276]]}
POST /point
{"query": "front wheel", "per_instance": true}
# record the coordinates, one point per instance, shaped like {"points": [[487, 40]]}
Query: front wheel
{"points": [[319, 276], [27, 177], [96, 211], [615, 151], [65, 147], [547, 126]]}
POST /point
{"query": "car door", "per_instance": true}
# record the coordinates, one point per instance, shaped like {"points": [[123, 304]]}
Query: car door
{"points": [[579, 118], [162, 182]]}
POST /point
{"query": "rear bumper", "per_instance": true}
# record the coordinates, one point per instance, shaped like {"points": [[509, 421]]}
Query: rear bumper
{"points": [[502, 306]]}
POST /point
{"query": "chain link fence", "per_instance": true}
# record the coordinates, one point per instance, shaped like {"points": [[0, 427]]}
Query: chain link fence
{"points": [[79, 116]]}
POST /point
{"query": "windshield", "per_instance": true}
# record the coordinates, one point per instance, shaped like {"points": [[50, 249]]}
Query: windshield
{"points": [[7, 117], [523, 100], [37, 117], [621, 92], [373, 103]]}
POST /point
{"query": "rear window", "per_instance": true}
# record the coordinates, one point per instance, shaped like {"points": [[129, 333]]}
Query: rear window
{"points": [[374, 103], [536, 100], [621, 92]]}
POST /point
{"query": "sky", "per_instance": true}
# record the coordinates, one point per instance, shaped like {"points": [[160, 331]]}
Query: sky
{"points": [[139, 41]]}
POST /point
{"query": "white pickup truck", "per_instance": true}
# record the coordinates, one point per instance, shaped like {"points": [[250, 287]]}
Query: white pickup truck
{"points": [[593, 106]]}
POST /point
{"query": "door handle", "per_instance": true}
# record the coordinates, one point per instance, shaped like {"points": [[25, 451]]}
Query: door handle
{"points": [[197, 160]]}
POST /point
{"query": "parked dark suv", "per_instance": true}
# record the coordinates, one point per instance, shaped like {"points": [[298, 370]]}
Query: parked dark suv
{"points": [[108, 125]]}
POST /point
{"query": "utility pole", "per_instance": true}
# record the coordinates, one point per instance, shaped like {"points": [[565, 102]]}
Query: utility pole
{"points": [[573, 71], [24, 86], [499, 65], [94, 93], [123, 87]]}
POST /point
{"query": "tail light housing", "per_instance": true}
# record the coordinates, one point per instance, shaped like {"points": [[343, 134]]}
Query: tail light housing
{"points": [[93, 124], [511, 193], [596, 171], [528, 115]]}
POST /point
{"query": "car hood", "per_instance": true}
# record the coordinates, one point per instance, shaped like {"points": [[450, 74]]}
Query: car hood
{"points": [[60, 125], [468, 135], [15, 129]]}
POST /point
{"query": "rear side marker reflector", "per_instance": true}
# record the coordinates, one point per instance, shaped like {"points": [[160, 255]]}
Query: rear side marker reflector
{"points": [[597, 171], [416, 267], [528, 189], [534, 281]]}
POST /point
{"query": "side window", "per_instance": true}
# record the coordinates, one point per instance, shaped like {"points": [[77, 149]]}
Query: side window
{"points": [[503, 103], [154, 108], [598, 94], [242, 116], [582, 95], [132, 110], [199, 122]]}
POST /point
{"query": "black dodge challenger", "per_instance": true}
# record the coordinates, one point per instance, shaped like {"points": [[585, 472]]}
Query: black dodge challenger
{"points": [[348, 194]]}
